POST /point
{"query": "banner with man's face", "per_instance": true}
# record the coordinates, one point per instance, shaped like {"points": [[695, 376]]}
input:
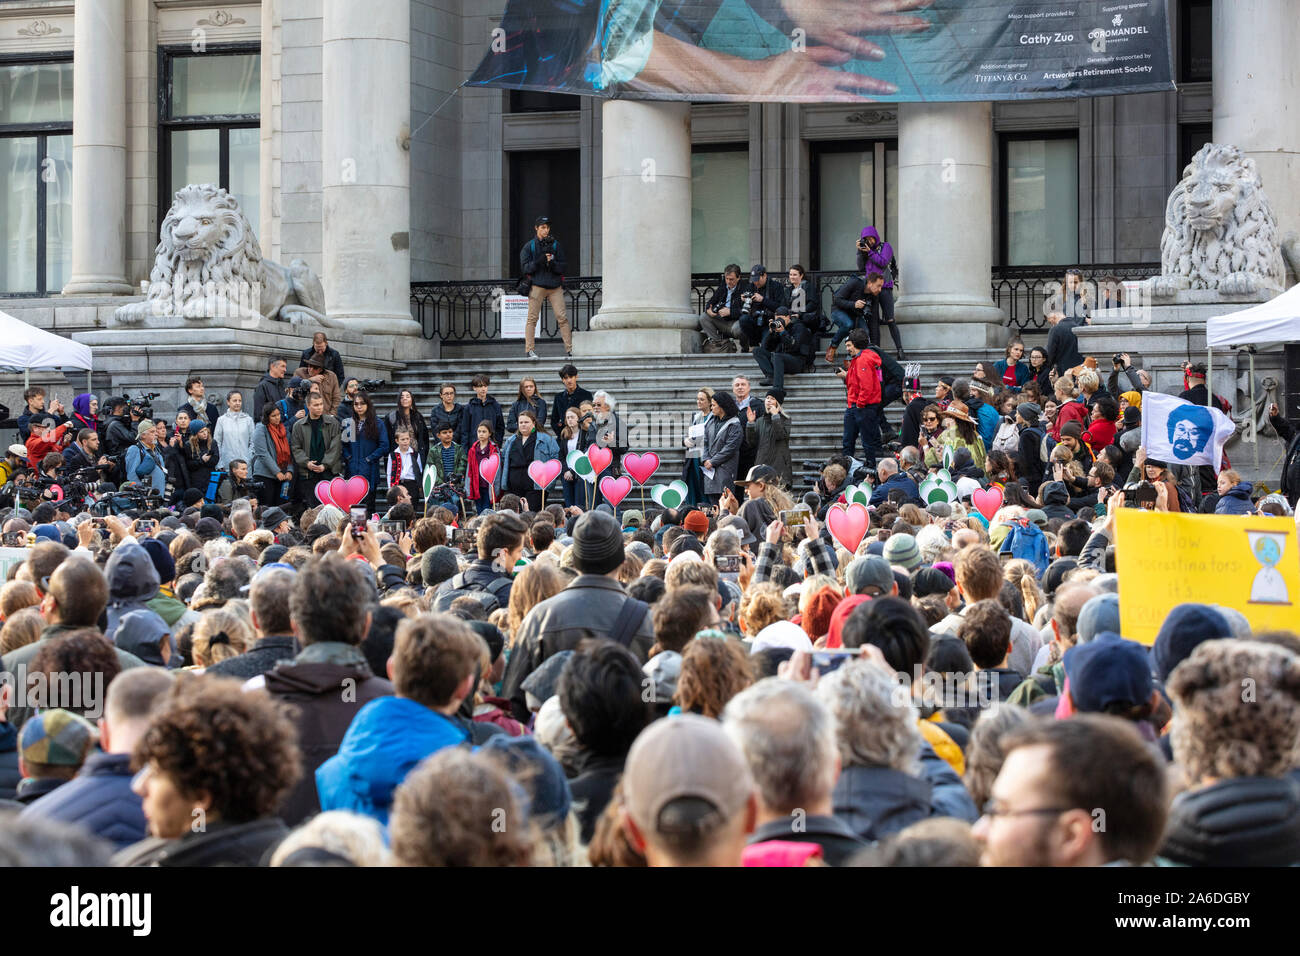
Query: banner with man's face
{"points": [[830, 50], [1179, 433]]}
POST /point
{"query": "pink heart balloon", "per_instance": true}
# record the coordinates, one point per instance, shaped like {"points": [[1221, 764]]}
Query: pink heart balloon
{"points": [[600, 458], [987, 501], [848, 525], [488, 468], [358, 487], [615, 489], [338, 492], [641, 467], [323, 493], [544, 472]]}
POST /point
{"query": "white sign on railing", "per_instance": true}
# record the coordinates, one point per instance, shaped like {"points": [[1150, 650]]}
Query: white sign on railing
{"points": [[514, 313]]}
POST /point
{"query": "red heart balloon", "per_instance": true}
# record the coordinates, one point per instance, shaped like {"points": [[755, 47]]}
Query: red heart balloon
{"points": [[358, 488], [641, 467], [339, 492], [488, 468], [544, 472], [848, 525], [600, 458], [615, 489]]}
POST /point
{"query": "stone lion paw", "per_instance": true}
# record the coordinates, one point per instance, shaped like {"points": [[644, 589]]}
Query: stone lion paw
{"points": [[1239, 283], [1167, 286]]}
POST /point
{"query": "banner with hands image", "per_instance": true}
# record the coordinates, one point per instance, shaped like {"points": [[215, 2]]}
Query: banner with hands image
{"points": [[1178, 432], [830, 50]]}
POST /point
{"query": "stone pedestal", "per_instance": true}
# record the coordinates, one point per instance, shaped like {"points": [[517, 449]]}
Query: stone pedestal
{"points": [[945, 239], [99, 150], [366, 164], [646, 228], [1256, 89]]}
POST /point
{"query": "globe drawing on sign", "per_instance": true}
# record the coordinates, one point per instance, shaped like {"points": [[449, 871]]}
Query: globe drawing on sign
{"points": [[1269, 587]]}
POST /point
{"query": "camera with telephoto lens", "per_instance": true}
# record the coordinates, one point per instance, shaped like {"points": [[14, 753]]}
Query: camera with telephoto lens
{"points": [[749, 303], [142, 404], [547, 245], [1141, 494], [372, 384], [1117, 360]]}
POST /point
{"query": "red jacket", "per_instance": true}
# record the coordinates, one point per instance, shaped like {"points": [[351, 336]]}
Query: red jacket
{"points": [[1071, 411], [38, 448], [1100, 434], [863, 379]]}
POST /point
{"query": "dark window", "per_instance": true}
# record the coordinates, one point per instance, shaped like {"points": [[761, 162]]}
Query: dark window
{"points": [[210, 107], [719, 206], [1195, 33], [854, 184], [1040, 198], [36, 175], [545, 183], [1191, 137], [530, 101]]}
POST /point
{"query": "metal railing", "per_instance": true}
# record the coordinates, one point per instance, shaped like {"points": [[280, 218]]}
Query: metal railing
{"points": [[470, 311]]}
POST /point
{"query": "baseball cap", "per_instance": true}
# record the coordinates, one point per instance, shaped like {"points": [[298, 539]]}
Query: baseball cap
{"points": [[632, 516], [740, 526], [1108, 670], [19, 451], [542, 221], [684, 757], [764, 473], [56, 737]]}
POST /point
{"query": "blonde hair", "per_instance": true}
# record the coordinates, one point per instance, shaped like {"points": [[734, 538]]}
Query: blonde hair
{"points": [[1088, 380], [354, 837], [1063, 389], [21, 628], [655, 568], [761, 605], [218, 621], [533, 585], [1023, 575], [16, 595]]}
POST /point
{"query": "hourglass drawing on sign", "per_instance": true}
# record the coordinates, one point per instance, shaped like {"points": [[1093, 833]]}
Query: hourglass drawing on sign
{"points": [[1268, 587]]}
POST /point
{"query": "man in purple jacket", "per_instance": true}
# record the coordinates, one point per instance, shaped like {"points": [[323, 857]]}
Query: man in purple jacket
{"points": [[875, 255]]}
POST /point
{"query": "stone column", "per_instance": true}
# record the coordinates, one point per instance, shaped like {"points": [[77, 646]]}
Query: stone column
{"points": [[646, 232], [1256, 89], [365, 164], [99, 150], [945, 231]]}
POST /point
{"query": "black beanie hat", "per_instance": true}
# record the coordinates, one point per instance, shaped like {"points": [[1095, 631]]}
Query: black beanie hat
{"points": [[597, 543]]}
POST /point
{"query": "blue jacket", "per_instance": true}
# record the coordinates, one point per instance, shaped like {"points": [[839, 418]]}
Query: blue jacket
{"points": [[146, 468], [1236, 501], [98, 799], [899, 480], [366, 456], [546, 448], [987, 422], [878, 801], [384, 742]]}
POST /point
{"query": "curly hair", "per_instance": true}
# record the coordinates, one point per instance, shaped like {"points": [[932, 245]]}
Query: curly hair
{"points": [[459, 808], [984, 753], [713, 672], [209, 736], [1236, 710], [873, 727], [761, 605]]}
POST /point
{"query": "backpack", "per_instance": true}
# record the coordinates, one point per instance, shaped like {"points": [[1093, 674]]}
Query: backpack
{"points": [[214, 485], [489, 595], [1007, 439]]}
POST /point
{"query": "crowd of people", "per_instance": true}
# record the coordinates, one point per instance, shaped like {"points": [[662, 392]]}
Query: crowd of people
{"points": [[232, 673]]}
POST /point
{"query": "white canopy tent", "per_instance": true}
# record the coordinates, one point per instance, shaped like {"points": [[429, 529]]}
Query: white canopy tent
{"points": [[1269, 323], [26, 347], [1277, 320]]}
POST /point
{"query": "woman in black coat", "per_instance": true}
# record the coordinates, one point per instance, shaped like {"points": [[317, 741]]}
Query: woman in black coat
{"points": [[201, 456]]}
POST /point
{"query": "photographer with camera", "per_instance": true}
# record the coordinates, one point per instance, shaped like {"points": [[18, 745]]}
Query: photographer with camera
{"points": [[542, 263], [119, 431], [805, 309], [759, 303], [45, 437], [84, 453], [877, 256], [782, 349], [1134, 380], [719, 321], [35, 399], [144, 462]]}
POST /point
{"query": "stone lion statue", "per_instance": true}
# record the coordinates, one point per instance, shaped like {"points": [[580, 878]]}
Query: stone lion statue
{"points": [[208, 264], [1220, 232]]}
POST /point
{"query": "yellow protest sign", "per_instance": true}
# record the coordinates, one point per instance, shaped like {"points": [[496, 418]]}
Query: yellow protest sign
{"points": [[1248, 563]]}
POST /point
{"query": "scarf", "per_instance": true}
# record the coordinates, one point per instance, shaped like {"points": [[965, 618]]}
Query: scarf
{"points": [[281, 439], [316, 450]]}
